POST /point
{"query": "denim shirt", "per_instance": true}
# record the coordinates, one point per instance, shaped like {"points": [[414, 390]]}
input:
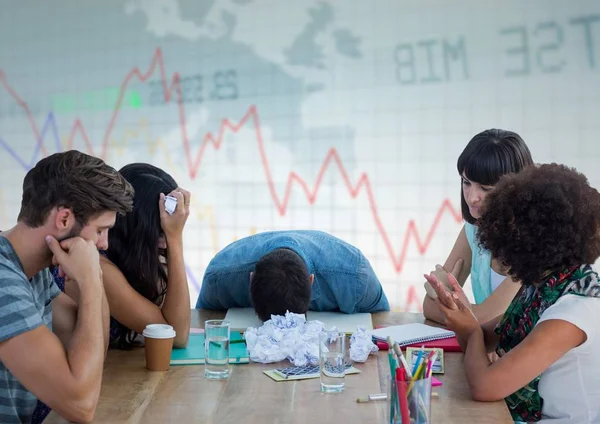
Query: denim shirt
{"points": [[344, 280]]}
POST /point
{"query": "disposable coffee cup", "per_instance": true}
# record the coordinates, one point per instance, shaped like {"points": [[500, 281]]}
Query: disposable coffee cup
{"points": [[158, 339]]}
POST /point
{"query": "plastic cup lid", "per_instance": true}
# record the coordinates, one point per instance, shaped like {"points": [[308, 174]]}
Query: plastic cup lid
{"points": [[159, 331]]}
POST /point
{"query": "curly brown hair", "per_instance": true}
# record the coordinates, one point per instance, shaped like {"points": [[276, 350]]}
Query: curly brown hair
{"points": [[541, 220], [83, 183]]}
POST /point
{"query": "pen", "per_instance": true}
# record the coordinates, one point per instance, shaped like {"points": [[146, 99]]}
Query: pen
{"points": [[403, 360], [393, 366], [433, 357], [230, 342], [415, 378], [402, 395], [417, 364], [383, 396], [282, 375], [376, 396]]}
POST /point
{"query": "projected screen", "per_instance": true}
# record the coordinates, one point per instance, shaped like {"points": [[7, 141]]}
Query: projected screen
{"points": [[342, 116]]}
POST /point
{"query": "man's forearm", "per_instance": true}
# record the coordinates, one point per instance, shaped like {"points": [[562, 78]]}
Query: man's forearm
{"points": [[72, 290], [105, 321], [87, 349]]}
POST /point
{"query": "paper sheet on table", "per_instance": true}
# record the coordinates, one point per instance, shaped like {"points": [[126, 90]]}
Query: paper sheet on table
{"points": [[242, 318], [348, 323], [277, 377]]}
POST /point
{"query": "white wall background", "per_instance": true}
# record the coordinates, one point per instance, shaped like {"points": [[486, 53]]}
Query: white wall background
{"points": [[395, 88]]}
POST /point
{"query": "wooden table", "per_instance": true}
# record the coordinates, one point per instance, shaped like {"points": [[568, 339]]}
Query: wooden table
{"points": [[131, 394]]}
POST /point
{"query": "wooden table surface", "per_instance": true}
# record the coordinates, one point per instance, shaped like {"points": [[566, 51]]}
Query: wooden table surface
{"points": [[131, 394]]}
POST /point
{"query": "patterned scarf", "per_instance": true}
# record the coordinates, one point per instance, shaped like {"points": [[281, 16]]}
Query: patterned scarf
{"points": [[521, 317]]}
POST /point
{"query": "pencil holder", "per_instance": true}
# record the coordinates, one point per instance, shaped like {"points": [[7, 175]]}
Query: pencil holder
{"points": [[408, 402]]}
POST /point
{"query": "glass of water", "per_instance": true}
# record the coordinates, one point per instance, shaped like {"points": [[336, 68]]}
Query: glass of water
{"points": [[216, 349], [332, 354]]}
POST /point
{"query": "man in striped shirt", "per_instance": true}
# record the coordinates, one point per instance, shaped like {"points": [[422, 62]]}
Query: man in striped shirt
{"points": [[51, 347]]}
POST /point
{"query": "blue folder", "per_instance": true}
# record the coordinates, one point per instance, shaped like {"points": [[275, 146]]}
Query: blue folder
{"points": [[193, 354]]}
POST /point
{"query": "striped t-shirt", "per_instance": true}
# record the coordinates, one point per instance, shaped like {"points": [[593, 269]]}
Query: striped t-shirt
{"points": [[24, 305]]}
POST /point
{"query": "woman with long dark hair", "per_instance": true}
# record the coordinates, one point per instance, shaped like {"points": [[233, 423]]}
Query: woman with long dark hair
{"points": [[144, 273], [486, 158], [143, 270]]}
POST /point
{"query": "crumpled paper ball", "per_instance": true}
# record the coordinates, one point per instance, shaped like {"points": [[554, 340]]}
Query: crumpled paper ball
{"points": [[281, 337], [361, 345], [291, 337]]}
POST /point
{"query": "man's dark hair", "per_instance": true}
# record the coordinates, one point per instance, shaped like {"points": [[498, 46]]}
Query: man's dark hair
{"points": [[488, 156], [74, 180], [280, 283], [542, 220]]}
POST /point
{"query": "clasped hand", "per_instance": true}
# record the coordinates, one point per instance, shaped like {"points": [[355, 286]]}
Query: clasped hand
{"points": [[454, 305]]}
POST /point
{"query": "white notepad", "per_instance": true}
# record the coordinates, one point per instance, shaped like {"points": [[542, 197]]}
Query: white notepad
{"points": [[346, 323], [242, 318], [408, 334]]}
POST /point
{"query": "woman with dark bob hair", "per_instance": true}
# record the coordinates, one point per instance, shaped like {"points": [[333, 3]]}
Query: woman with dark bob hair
{"points": [[488, 156], [543, 224]]}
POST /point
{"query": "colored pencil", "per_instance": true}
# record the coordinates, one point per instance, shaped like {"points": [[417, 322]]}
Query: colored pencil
{"points": [[404, 413]]}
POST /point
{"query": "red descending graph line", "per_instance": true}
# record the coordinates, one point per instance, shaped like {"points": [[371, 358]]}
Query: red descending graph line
{"points": [[281, 202], [412, 299], [332, 158], [23, 105]]}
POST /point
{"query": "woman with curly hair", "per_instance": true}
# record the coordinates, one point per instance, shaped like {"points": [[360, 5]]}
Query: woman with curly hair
{"points": [[543, 224], [488, 156]]}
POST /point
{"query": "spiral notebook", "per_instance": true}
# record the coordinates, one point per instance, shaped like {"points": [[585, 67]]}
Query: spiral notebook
{"points": [[408, 334]]}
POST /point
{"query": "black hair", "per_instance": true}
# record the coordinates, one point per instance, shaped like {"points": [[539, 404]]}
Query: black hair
{"points": [[134, 240], [488, 156], [280, 283], [542, 220]]}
